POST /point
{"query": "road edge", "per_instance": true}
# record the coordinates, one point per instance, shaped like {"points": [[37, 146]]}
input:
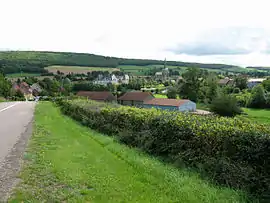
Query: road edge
{"points": [[12, 164]]}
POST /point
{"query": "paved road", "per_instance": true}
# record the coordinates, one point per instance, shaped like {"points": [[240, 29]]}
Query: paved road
{"points": [[15, 120]]}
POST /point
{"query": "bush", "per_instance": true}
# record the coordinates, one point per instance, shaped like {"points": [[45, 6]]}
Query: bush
{"points": [[172, 93], [236, 90], [225, 105], [258, 97], [232, 152]]}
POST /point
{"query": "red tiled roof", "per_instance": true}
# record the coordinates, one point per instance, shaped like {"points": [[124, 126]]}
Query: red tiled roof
{"points": [[24, 84], [135, 96], [166, 102], [96, 95]]}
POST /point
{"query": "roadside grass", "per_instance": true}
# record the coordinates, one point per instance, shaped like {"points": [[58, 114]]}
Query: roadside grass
{"points": [[17, 75], [66, 162], [257, 115]]}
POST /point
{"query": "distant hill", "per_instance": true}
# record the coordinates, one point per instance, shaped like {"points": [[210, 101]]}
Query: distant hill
{"points": [[258, 67], [35, 61]]}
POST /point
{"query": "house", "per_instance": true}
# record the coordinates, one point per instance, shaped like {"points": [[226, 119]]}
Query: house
{"points": [[254, 81], [36, 89], [112, 79], [183, 105], [104, 96], [226, 81], [135, 98], [25, 89]]}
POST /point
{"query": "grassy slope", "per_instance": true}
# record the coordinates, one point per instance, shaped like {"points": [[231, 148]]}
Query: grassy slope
{"points": [[68, 162], [78, 68]]}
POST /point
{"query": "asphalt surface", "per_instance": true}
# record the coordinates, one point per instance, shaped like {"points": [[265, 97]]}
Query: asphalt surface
{"points": [[15, 130]]}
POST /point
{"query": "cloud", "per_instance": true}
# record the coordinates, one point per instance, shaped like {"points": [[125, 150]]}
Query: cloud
{"points": [[226, 41]]}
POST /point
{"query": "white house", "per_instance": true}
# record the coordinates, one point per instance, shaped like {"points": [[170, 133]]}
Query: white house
{"points": [[254, 81], [113, 79]]}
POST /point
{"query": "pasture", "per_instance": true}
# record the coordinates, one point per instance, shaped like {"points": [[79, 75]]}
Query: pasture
{"points": [[22, 75], [78, 69], [257, 115]]}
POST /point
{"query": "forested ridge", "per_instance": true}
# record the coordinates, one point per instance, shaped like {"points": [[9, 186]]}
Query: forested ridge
{"points": [[35, 61]]}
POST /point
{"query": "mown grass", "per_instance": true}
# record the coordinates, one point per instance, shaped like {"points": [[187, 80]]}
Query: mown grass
{"points": [[257, 115], [16, 75], [66, 162], [160, 96]]}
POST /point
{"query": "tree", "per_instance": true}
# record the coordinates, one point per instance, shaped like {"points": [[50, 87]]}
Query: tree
{"points": [[190, 88], [241, 82], [258, 97], [5, 87], [266, 85], [172, 93], [225, 105]]}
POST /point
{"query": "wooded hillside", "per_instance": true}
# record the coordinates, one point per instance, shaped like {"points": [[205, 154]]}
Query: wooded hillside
{"points": [[34, 61]]}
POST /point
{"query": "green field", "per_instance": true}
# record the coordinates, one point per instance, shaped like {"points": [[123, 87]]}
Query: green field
{"points": [[17, 75], [160, 96], [66, 162], [257, 115], [78, 69], [141, 70]]}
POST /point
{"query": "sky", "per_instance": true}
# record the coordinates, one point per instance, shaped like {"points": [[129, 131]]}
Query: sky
{"points": [[208, 31]]}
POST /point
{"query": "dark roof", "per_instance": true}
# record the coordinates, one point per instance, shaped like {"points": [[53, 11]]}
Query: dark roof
{"points": [[225, 81], [96, 95], [166, 102], [135, 96]]}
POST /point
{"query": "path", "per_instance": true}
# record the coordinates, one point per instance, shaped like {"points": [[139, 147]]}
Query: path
{"points": [[15, 120]]}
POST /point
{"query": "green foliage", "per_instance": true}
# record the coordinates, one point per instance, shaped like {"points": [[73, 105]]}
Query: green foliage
{"points": [[225, 105], [230, 151], [258, 97], [266, 85], [191, 87], [243, 99], [241, 82], [5, 87], [172, 93], [236, 90]]}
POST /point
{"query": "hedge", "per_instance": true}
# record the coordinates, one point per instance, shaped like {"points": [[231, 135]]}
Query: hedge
{"points": [[230, 151]]}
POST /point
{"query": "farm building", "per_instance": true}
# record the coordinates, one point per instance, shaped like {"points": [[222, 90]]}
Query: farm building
{"points": [[171, 104], [135, 98], [98, 96]]}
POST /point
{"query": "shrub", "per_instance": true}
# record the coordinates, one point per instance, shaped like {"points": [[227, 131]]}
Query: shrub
{"points": [[258, 97], [232, 152], [225, 105], [236, 90]]}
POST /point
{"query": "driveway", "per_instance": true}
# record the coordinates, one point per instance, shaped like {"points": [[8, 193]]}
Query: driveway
{"points": [[15, 129]]}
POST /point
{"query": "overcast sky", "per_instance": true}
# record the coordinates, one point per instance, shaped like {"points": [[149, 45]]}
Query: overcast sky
{"points": [[213, 31]]}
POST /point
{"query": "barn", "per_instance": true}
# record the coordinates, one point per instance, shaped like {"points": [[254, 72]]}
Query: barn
{"points": [[183, 105], [135, 98]]}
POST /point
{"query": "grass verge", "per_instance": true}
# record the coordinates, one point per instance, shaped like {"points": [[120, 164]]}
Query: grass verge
{"points": [[66, 162]]}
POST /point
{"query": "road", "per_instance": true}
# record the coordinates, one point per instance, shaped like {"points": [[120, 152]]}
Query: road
{"points": [[15, 120]]}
